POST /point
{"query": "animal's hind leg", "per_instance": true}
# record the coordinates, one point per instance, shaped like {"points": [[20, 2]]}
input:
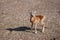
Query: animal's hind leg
{"points": [[43, 27]]}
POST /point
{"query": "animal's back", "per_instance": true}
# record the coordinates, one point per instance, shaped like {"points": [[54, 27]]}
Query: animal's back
{"points": [[40, 16], [37, 18]]}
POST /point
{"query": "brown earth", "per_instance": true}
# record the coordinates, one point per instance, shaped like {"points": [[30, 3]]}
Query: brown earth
{"points": [[15, 24]]}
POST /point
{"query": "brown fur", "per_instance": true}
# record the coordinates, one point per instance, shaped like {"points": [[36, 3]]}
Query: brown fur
{"points": [[36, 19]]}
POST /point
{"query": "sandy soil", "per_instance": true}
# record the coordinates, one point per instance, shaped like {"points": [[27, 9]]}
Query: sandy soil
{"points": [[15, 15]]}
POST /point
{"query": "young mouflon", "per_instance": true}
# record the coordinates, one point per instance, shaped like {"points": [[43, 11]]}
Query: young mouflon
{"points": [[35, 19]]}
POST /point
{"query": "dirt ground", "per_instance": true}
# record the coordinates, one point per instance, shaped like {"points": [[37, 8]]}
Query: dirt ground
{"points": [[15, 19]]}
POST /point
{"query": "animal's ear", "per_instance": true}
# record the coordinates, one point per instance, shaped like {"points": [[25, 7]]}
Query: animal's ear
{"points": [[33, 14]]}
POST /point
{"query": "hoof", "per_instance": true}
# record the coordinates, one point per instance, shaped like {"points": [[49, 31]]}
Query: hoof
{"points": [[43, 32], [35, 32]]}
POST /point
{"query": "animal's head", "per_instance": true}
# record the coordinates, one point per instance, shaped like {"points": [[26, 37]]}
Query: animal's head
{"points": [[32, 13]]}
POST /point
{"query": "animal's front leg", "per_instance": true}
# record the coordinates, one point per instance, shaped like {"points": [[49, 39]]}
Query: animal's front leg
{"points": [[35, 28], [43, 29]]}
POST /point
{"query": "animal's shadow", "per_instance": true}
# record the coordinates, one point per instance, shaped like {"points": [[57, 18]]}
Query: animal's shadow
{"points": [[22, 28]]}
